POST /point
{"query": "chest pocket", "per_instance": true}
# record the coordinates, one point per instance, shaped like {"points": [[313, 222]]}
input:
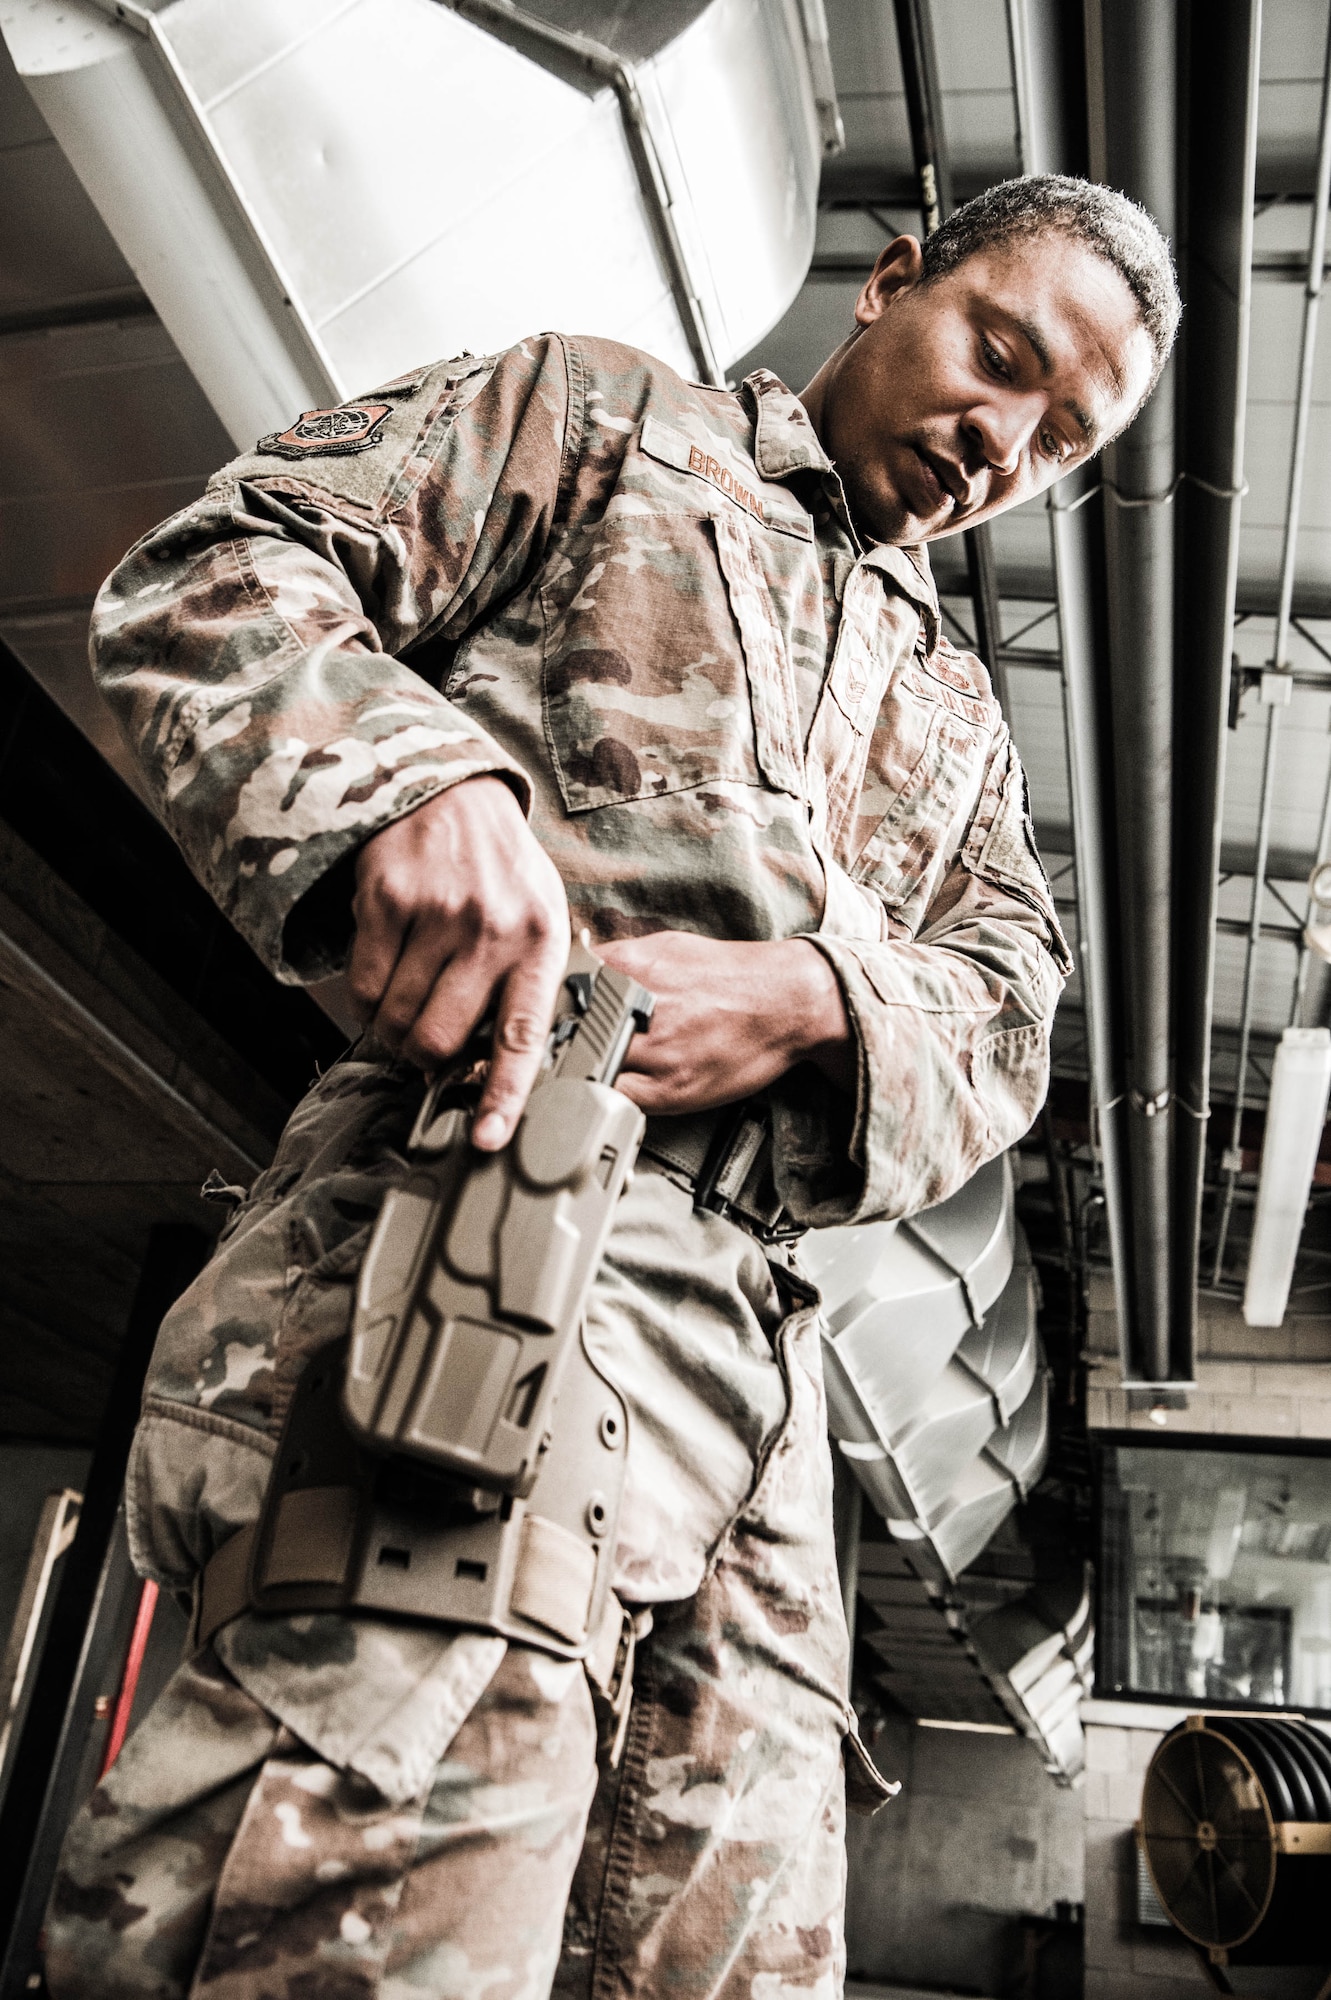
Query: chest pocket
{"points": [[665, 667], [925, 770]]}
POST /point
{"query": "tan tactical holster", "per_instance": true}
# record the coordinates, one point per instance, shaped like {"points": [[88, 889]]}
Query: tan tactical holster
{"points": [[459, 1457], [343, 1530]]}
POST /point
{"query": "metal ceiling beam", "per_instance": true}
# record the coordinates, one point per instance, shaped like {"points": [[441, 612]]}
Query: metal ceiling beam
{"points": [[1283, 864], [1025, 582], [1275, 266], [95, 309], [853, 179], [1220, 97]]}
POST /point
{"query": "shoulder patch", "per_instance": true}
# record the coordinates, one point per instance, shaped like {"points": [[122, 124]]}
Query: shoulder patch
{"points": [[352, 427]]}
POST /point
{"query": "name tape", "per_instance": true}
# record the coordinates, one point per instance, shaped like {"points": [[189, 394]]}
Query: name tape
{"points": [[724, 479]]}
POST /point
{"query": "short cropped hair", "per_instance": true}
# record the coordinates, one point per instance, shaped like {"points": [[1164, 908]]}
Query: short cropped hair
{"points": [[1116, 228]]}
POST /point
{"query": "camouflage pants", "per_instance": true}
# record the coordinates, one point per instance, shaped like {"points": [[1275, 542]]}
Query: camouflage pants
{"points": [[224, 1860], [345, 1806]]}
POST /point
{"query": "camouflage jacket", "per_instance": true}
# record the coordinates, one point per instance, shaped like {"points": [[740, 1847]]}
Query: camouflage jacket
{"points": [[643, 603]]}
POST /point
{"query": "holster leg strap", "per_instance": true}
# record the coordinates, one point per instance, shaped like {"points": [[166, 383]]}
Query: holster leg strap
{"points": [[222, 1591]]}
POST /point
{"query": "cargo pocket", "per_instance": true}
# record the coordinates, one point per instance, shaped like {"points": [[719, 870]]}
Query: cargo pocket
{"points": [[843, 726], [664, 665], [771, 682]]}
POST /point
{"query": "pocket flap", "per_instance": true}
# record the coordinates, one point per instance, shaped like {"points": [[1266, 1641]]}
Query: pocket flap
{"points": [[771, 681]]}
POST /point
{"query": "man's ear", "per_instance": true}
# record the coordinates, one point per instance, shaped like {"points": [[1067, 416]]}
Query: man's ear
{"points": [[900, 265]]}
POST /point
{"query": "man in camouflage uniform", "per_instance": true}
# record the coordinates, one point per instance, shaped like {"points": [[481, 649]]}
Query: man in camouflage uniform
{"points": [[555, 632]]}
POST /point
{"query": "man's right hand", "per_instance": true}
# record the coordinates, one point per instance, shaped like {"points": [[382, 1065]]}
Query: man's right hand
{"points": [[457, 906]]}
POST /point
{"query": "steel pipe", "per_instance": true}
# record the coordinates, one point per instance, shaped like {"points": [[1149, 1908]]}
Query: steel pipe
{"points": [[1049, 72], [1134, 61], [1284, 611], [1221, 94], [919, 69]]}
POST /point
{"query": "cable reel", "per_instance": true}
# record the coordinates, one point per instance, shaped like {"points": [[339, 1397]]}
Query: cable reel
{"points": [[1236, 1830]]}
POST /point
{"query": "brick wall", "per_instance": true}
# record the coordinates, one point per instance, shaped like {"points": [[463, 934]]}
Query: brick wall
{"points": [[1251, 1381], [1125, 1960]]}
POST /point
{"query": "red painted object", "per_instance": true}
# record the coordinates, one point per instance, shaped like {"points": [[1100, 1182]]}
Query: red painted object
{"points": [[129, 1679]]}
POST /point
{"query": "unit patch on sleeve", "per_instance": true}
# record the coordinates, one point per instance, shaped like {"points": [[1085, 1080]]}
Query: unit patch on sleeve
{"points": [[353, 427]]}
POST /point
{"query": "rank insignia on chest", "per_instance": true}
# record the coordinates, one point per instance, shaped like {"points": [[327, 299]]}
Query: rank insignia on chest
{"points": [[353, 427]]}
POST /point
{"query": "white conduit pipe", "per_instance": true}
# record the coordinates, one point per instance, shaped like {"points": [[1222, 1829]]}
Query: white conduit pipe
{"points": [[1280, 664]]}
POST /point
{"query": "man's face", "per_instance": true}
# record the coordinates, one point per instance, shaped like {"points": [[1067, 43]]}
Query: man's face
{"points": [[967, 395]]}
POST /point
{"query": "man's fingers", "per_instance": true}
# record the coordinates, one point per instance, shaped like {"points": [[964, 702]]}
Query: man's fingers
{"points": [[424, 961], [525, 1013], [461, 994], [381, 926]]}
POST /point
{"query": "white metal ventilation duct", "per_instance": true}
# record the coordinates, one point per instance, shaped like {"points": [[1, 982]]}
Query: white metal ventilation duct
{"points": [[937, 1391], [318, 195], [944, 1663], [1038, 1656]]}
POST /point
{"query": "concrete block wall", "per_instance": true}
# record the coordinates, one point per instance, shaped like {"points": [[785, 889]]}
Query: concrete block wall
{"points": [[1124, 1960], [1251, 1381], [979, 1836], [1267, 1399]]}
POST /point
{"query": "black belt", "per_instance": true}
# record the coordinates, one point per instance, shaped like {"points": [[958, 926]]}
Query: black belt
{"points": [[724, 1159]]}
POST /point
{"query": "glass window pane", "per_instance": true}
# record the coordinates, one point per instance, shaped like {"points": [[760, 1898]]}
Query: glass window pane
{"points": [[1216, 1576]]}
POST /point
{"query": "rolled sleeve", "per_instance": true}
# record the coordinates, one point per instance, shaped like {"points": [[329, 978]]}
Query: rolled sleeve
{"points": [[951, 1027], [249, 647]]}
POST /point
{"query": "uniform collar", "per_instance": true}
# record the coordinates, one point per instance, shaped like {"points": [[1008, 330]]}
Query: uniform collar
{"points": [[910, 572], [785, 441]]}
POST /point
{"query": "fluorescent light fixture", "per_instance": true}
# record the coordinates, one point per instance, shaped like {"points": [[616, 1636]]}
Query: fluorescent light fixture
{"points": [[971, 1728], [1295, 1115]]}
